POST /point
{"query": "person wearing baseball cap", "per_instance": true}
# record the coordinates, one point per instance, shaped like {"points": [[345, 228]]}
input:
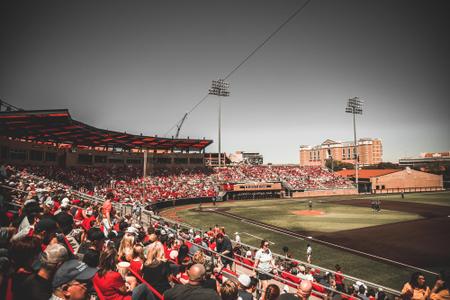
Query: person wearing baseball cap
{"points": [[39, 285], [46, 229], [70, 280], [63, 207], [244, 286], [49, 207]]}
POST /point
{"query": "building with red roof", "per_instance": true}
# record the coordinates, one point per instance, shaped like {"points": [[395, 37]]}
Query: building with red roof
{"points": [[395, 180]]}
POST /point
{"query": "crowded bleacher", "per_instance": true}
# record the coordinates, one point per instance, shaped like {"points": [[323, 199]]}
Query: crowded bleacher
{"points": [[128, 186], [55, 244]]}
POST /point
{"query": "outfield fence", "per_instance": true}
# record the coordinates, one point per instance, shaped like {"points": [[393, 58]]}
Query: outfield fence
{"points": [[408, 190]]}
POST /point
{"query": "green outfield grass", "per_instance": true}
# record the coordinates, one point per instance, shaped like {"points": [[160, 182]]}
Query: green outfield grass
{"points": [[336, 217]]}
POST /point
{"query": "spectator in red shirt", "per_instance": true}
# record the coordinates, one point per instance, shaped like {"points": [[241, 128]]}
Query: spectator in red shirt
{"points": [[137, 259], [108, 280], [339, 279], [111, 283]]}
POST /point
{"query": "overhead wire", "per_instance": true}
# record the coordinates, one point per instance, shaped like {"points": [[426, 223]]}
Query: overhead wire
{"points": [[267, 39]]}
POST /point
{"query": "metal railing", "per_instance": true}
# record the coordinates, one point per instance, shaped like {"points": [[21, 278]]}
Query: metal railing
{"points": [[147, 217]]}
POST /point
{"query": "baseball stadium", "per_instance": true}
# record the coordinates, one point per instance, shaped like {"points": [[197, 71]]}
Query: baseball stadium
{"points": [[70, 187], [217, 150]]}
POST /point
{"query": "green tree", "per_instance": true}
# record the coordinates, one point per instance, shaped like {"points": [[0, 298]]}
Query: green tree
{"points": [[337, 165], [384, 165]]}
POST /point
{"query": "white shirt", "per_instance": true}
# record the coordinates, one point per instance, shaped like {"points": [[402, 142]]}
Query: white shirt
{"points": [[305, 276], [264, 257]]}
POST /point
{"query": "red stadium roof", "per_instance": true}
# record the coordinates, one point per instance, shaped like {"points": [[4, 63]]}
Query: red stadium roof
{"points": [[369, 173], [57, 126]]}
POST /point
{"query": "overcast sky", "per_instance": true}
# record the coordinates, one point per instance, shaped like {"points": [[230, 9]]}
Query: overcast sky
{"points": [[138, 66]]}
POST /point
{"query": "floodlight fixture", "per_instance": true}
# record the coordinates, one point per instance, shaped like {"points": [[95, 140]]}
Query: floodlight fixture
{"points": [[355, 107], [220, 88]]}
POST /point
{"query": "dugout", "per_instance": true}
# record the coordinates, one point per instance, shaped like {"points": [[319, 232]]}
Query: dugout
{"points": [[254, 190]]}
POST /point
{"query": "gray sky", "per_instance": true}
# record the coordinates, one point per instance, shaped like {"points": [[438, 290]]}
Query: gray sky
{"points": [[138, 66]]}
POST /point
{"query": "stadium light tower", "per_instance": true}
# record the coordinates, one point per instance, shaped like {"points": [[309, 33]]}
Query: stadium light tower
{"points": [[354, 107], [220, 88]]}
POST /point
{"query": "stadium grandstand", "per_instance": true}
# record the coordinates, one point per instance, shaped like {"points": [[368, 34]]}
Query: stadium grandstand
{"points": [[80, 215]]}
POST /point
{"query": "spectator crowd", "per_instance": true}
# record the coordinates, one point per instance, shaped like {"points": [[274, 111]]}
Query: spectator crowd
{"points": [[128, 186], [54, 245]]}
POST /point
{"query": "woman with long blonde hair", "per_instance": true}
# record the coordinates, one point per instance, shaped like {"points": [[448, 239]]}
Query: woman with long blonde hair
{"points": [[138, 258], [156, 269], [126, 247]]}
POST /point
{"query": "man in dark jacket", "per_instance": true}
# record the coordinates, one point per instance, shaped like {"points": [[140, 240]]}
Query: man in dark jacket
{"points": [[194, 289], [225, 248]]}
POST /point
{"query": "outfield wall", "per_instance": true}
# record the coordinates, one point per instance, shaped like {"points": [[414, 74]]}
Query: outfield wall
{"points": [[319, 193], [409, 190]]}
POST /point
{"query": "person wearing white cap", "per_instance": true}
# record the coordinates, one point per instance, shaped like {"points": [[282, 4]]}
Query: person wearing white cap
{"points": [[64, 206], [244, 286], [303, 275], [132, 230], [48, 205], [361, 289], [247, 260]]}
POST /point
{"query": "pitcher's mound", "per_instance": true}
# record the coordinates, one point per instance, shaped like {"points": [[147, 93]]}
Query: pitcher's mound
{"points": [[308, 212]]}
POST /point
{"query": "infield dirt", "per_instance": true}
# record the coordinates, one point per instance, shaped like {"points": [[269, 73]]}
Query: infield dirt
{"points": [[308, 212]]}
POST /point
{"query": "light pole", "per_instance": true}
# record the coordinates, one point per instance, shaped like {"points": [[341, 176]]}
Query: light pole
{"points": [[220, 88], [354, 107]]}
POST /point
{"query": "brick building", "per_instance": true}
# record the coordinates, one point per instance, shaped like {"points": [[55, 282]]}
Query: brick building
{"points": [[395, 180], [370, 152]]}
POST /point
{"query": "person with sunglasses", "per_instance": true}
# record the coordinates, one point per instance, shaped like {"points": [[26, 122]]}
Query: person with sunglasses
{"points": [[264, 263], [70, 281]]}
